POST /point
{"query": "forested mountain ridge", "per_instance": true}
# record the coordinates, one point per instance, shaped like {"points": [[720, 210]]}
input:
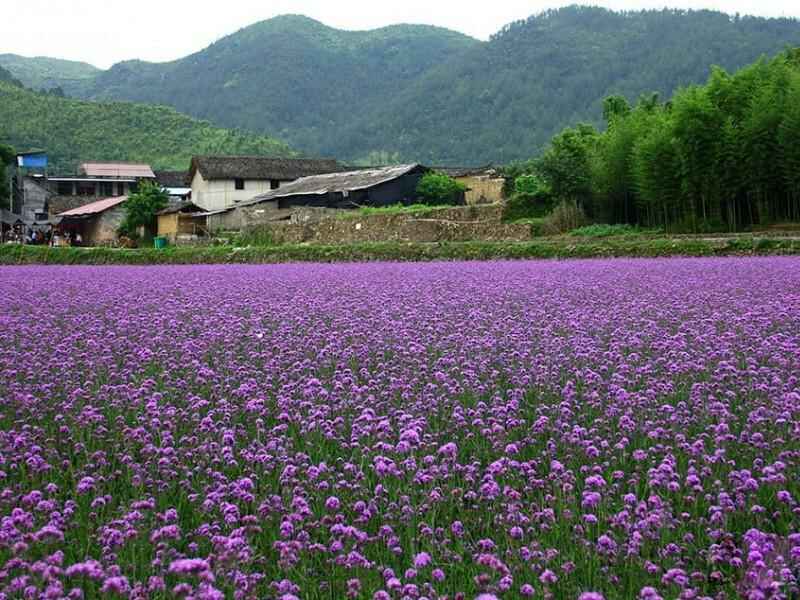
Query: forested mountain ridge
{"points": [[290, 76], [74, 130], [47, 73], [432, 95], [504, 100], [7, 77]]}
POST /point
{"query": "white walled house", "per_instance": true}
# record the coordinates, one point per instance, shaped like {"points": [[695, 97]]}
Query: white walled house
{"points": [[220, 182]]}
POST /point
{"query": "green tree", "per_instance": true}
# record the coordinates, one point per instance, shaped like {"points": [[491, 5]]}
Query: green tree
{"points": [[141, 208], [565, 165], [438, 188], [7, 157]]}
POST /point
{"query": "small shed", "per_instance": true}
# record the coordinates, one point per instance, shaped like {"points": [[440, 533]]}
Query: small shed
{"points": [[384, 186], [484, 184], [182, 219], [97, 222]]}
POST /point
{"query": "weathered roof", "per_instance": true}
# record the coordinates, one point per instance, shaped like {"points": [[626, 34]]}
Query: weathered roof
{"points": [[94, 208], [261, 167], [186, 206], [173, 179], [465, 171], [348, 181], [60, 204], [116, 169]]}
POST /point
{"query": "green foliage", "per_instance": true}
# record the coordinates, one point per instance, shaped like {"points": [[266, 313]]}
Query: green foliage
{"points": [[72, 130], [565, 247], [7, 77], [412, 93], [141, 208], [565, 217], [7, 156], [565, 166], [254, 236], [718, 157], [531, 199], [602, 230], [438, 188]]}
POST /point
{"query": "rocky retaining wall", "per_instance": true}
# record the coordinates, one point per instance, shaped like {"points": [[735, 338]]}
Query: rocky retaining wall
{"points": [[457, 224]]}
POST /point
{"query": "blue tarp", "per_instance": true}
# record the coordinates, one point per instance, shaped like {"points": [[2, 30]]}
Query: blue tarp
{"points": [[35, 161]]}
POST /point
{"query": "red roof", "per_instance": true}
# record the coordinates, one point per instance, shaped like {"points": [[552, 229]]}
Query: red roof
{"points": [[116, 169], [94, 208]]}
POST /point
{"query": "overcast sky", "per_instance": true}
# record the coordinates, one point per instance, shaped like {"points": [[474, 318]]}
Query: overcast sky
{"points": [[103, 32]]}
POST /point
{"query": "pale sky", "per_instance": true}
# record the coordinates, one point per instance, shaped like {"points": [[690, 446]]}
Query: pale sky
{"points": [[103, 32]]}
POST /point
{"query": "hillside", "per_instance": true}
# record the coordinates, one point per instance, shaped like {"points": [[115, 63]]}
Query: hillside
{"points": [[46, 73], [290, 76], [503, 100], [74, 130], [7, 77], [429, 94]]}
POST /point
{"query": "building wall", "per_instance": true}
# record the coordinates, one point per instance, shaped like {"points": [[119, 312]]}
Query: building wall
{"points": [[168, 225], [102, 230], [483, 189], [35, 202], [218, 194]]}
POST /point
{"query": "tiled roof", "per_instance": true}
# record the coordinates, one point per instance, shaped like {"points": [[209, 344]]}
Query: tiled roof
{"points": [[116, 169], [260, 167], [94, 208], [349, 181]]}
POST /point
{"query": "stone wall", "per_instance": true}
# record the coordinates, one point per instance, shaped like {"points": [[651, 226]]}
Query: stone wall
{"points": [[457, 224]]}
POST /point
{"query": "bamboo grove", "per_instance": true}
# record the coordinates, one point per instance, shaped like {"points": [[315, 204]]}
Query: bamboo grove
{"points": [[723, 156]]}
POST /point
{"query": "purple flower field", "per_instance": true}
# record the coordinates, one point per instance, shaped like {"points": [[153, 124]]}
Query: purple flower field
{"points": [[585, 429]]}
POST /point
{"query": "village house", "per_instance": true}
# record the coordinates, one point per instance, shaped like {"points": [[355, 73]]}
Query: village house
{"points": [[484, 185], [176, 184], [184, 220], [383, 186], [97, 223], [219, 182]]}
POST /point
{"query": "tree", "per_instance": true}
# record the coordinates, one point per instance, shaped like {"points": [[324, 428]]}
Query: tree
{"points": [[438, 188], [565, 165], [141, 209], [7, 157]]}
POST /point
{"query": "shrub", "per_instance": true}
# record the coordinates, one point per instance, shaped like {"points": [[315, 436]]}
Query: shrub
{"points": [[254, 236], [531, 199], [563, 218], [141, 209], [437, 188], [600, 230]]}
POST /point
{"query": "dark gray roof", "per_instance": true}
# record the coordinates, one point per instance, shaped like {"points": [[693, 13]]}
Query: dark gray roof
{"points": [[261, 167], [180, 207], [173, 179], [348, 181]]}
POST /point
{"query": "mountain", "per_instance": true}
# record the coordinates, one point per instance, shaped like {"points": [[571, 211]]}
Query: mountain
{"points": [[46, 73], [429, 94], [290, 76], [74, 130], [7, 77], [504, 100]]}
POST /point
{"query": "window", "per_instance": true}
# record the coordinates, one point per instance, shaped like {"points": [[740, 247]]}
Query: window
{"points": [[87, 188], [274, 184], [120, 189], [65, 188], [239, 183], [107, 188]]}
